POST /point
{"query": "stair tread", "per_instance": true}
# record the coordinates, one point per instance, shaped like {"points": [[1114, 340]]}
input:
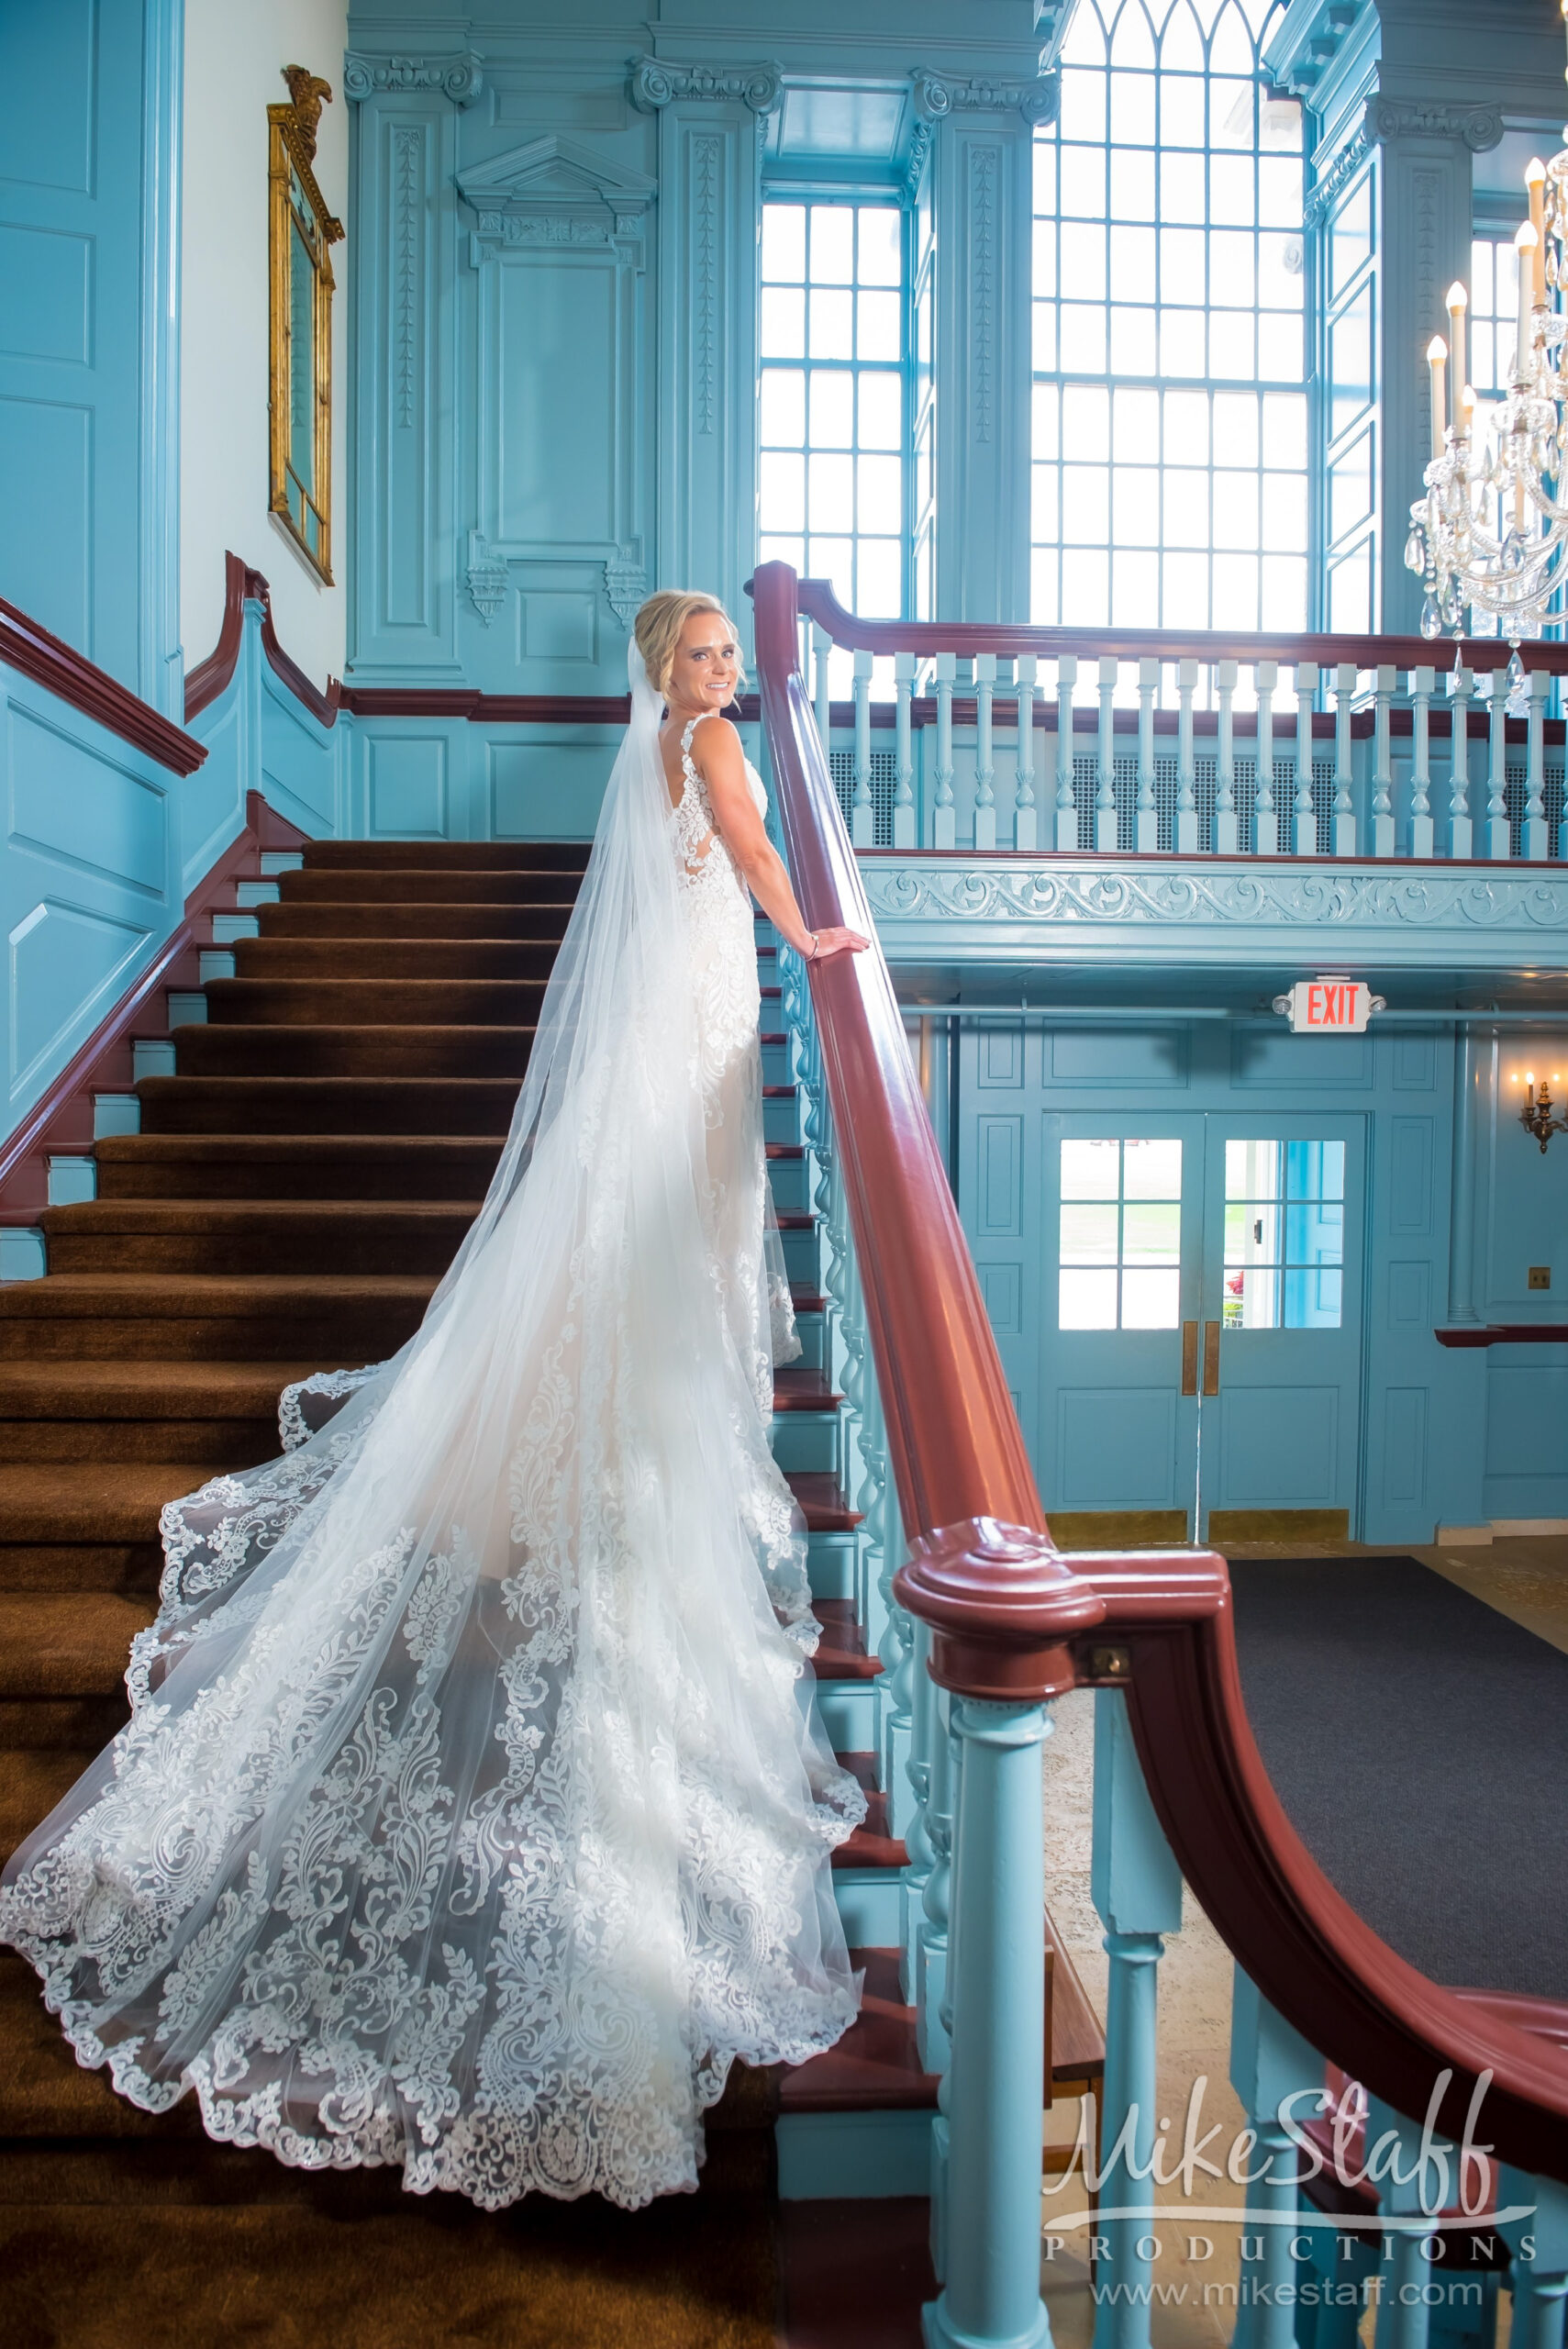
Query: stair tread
{"points": [[37, 1300], [239, 1214], [803, 1390], [91, 1500], [143, 1390], [75, 1644], [877, 2064]]}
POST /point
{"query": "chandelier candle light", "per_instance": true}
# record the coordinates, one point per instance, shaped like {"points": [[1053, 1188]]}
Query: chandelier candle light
{"points": [[1490, 537]]}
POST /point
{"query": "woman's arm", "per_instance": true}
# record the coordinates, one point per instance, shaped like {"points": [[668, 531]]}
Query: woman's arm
{"points": [[717, 748]]}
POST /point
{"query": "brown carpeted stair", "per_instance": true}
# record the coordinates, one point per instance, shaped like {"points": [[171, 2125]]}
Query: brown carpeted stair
{"points": [[295, 1193]]}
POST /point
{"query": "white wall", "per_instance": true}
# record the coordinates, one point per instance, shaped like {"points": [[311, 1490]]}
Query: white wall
{"points": [[235, 51]]}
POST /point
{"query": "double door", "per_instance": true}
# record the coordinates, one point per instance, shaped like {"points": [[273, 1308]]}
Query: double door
{"points": [[1196, 1346]]}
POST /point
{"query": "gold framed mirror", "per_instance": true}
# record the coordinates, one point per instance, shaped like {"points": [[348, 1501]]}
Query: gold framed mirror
{"points": [[300, 236]]}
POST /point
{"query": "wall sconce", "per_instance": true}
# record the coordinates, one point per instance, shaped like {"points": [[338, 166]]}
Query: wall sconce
{"points": [[1535, 1114]]}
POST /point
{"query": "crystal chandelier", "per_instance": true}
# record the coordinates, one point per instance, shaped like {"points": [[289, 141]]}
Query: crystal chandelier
{"points": [[1490, 537]]}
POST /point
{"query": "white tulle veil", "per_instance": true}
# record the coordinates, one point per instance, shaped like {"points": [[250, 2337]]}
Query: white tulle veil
{"points": [[473, 1813]]}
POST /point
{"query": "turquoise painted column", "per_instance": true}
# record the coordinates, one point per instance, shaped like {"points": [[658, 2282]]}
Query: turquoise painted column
{"points": [[1269, 2062], [995, 2091], [1404, 2318], [1539, 2248], [1137, 1890]]}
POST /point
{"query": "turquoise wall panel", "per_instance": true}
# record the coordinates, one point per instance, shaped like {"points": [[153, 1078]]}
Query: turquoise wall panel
{"points": [[87, 324], [1281, 1446], [1116, 1446], [1527, 1433], [100, 812], [407, 782]]}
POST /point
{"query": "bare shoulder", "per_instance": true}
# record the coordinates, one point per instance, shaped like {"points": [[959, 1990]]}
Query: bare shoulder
{"points": [[717, 747]]}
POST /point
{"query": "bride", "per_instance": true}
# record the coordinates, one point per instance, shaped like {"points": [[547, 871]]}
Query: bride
{"points": [[473, 1813]]}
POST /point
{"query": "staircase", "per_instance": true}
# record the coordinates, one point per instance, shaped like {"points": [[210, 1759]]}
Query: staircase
{"points": [[302, 1177]]}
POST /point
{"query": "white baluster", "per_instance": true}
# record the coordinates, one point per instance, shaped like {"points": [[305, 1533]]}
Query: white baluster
{"points": [[1186, 842], [904, 824], [1145, 822], [1532, 832], [1105, 779], [1225, 830], [1343, 841], [1419, 833], [1382, 765], [1494, 844], [821, 646], [1026, 817], [1265, 819], [863, 816], [984, 762], [942, 814], [1460, 826], [1304, 816], [1066, 801]]}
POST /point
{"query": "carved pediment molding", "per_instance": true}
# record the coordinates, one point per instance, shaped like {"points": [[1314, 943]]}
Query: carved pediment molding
{"points": [[551, 191]]}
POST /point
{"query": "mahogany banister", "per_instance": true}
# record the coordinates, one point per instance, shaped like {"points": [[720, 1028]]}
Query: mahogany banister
{"points": [[819, 603], [1168, 1636], [68, 674], [209, 678]]}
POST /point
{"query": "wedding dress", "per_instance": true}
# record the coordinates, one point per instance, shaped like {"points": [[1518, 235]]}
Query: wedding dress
{"points": [[475, 1813]]}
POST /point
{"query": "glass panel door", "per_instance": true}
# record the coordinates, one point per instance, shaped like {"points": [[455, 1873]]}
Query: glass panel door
{"points": [[1282, 1320], [1119, 1294]]}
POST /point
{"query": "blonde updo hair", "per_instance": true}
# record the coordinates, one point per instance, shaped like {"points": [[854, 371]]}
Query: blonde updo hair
{"points": [[657, 626]]}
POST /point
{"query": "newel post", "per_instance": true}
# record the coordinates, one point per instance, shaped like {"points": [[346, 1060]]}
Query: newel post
{"points": [[1000, 1605]]}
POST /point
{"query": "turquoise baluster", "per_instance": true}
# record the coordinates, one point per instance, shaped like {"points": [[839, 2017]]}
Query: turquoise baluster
{"points": [[933, 2009], [986, 2221], [1539, 2248], [1403, 2319], [1270, 2062], [1137, 1890]]}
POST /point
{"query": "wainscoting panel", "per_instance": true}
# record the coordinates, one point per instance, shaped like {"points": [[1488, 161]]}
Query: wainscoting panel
{"points": [[1116, 1447]]}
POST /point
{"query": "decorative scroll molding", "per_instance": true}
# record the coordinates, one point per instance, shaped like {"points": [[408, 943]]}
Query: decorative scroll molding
{"points": [[625, 585], [655, 82], [1335, 179], [706, 163], [937, 95], [921, 138], [460, 78], [552, 192], [1479, 126], [1226, 895], [985, 170], [486, 577]]}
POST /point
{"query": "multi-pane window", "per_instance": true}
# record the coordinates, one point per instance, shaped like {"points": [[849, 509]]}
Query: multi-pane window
{"points": [[1170, 414], [1121, 1247], [1348, 264], [1494, 313], [833, 393], [1285, 1234]]}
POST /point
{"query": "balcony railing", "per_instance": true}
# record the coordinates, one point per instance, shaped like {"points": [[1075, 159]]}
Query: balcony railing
{"points": [[1116, 741], [983, 1622]]}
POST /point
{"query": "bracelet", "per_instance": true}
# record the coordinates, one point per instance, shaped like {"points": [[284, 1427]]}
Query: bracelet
{"points": [[815, 947]]}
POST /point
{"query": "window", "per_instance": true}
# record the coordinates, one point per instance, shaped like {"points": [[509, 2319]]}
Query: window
{"points": [[1121, 1245], [832, 488], [1494, 313], [300, 231], [1170, 414], [1350, 420], [1285, 1234]]}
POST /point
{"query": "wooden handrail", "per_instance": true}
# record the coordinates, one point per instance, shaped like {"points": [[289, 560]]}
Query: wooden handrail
{"points": [[1314, 1959], [69, 674], [209, 678], [1012, 1618], [819, 603]]}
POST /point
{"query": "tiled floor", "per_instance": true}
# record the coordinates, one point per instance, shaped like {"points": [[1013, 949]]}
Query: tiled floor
{"points": [[1527, 1580]]}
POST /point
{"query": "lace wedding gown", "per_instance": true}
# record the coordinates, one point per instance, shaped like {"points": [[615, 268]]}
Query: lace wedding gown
{"points": [[473, 1813]]}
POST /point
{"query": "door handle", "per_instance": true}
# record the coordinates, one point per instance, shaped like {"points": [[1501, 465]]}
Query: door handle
{"points": [[1189, 1357], [1211, 1357]]}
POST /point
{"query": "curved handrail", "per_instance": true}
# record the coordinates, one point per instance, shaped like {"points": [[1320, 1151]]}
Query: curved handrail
{"points": [[819, 603], [69, 674], [1311, 1955], [1013, 1617], [209, 678]]}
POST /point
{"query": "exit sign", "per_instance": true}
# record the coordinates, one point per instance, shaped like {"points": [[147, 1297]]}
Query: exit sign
{"points": [[1328, 1006]]}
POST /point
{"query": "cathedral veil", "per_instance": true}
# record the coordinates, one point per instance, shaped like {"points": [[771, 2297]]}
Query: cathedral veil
{"points": [[474, 1814]]}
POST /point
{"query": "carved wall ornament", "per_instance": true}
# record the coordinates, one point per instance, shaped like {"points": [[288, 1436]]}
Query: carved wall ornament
{"points": [[307, 93], [626, 586], [655, 82], [552, 192], [1479, 126], [985, 172], [937, 95], [460, 78], [486, 577], [1335, 179], [920, 141]]}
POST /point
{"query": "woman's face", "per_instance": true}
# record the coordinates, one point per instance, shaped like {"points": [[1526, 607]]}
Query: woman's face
{"points": [[706, 663]]}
